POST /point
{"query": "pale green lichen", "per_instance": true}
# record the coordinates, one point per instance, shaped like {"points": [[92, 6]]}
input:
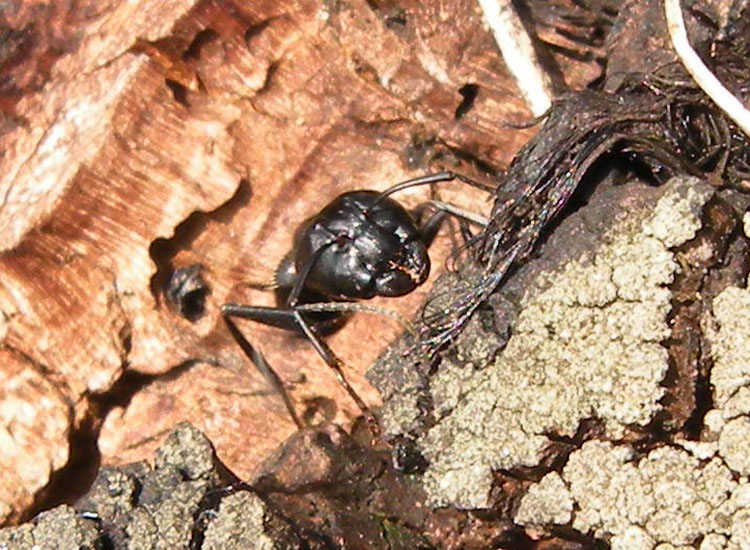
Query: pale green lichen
{"points": [[733, 444], [713, 541], [238, 524], [547, 502], [666, 497], [633, 538], [693, 498], [586, 344], [58, 529], [730, 346], [728, 332]]}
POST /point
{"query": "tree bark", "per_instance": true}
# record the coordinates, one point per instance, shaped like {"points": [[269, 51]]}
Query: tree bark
{"points": [[142, 137]]}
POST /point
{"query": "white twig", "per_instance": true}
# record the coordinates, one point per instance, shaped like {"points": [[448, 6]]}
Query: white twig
{"points": [[698, 70], [519, 55]]}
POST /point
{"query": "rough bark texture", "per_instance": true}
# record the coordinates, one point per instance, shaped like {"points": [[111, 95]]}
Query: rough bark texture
{"points": [[141, 137], [158, 157]]}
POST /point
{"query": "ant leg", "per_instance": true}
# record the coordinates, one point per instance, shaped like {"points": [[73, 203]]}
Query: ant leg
{"points": [[271, 316], [257, 358], [323, 349], [429, 228], [336, 364], [460, 213], [289, 319], [349, 307]]}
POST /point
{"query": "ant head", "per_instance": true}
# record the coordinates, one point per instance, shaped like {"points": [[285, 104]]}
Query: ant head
{"points": [[363, 245]]}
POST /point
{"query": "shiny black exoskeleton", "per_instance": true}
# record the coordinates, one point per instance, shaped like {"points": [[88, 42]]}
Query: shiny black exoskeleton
{"points": [[361, 245]]}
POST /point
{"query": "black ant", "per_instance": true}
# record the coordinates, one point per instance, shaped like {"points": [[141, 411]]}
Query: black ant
{"points": [[361, 245]]}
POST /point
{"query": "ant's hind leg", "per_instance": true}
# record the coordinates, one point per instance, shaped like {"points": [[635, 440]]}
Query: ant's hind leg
{"points": [[257, 358]]}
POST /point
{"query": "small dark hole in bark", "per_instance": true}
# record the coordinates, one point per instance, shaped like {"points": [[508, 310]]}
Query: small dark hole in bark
{"points": [[186, 291], [469, 92], [179, 92], [204, 37]]}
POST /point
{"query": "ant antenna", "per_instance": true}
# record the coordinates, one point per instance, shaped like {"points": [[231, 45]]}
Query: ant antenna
{"points": [[432, 178], [422, 180]]}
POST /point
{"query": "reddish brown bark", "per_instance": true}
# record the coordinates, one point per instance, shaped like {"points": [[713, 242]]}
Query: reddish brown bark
{"points": [[142, 137]]}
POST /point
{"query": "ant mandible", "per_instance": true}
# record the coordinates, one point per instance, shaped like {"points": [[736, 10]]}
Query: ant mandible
{"points": [[361, 245]]}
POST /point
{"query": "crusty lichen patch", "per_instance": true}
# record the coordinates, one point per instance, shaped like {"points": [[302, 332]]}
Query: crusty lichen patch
{"points": [[665, 500], [60, 528], [692, 498], [238, 524], [728, 332], [729, 344], [586, 344], [669, 496], [547, 502]]}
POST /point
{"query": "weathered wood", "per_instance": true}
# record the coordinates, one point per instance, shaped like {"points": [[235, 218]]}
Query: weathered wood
{"points": [[111, 177]]}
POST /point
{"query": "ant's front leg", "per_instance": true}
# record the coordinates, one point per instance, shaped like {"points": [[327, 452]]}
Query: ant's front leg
{"points": [[323, 349], [336, 364], [290, 319], [256, 357]]}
